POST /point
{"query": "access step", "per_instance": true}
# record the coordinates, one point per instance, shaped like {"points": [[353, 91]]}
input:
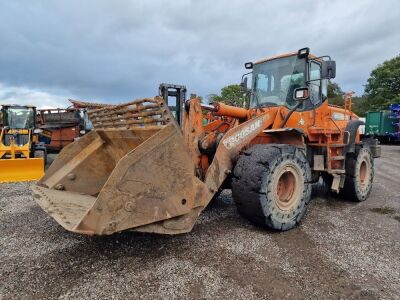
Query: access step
{"points": [[339, 157], [336, 171]]}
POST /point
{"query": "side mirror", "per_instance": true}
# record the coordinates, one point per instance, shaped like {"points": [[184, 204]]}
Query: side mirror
{"points": [[301, 94], [243, 84], [328, 69], [248, 65]]}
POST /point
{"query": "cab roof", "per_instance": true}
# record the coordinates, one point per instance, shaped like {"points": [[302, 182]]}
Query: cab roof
{"points": [[281, 56], [17, 105]]}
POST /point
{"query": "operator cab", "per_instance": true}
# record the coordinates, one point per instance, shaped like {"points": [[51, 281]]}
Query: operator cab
{"points": [[17, 120], [284, 80], [18, 117]]}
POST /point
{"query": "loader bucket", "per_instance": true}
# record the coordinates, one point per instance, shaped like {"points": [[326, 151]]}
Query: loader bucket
{"points": [[133, 171], [21, 169]]}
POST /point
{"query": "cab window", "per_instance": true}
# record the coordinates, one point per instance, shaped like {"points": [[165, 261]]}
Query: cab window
{"points": [[262, 81], [274, 81], [315, 83], [324, 89]]}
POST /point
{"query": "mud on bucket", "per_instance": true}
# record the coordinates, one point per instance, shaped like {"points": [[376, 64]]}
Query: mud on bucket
{"points": [[133, 171]]}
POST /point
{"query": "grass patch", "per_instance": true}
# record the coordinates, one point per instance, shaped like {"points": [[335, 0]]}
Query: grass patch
{"points": [[383, 210]]}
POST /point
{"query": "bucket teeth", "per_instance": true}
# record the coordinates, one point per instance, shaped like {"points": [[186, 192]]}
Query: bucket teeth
{"points": [[65, 207]]}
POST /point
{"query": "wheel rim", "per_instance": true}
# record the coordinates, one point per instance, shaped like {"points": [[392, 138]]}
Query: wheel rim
{"points": [[287, 188], [364, 172]]}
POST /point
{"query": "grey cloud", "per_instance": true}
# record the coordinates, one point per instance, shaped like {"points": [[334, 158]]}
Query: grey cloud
{"points": [[118, 50]]}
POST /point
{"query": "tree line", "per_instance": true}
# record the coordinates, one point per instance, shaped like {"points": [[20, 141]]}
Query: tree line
{"points": [[381, 90]]}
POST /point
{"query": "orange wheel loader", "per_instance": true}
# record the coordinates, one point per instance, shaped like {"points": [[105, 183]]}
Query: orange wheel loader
{"points": [[139, 170]]}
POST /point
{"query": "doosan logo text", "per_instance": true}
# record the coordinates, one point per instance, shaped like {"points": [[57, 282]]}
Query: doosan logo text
{"points": [[243, 133]]}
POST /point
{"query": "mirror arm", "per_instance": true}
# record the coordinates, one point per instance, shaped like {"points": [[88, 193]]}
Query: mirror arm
{"points": [[246, 74], [242, 86], [323, 56]]}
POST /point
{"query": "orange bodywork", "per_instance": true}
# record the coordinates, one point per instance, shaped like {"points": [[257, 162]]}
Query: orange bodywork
{"points": [[320, 127], [139, 170]]}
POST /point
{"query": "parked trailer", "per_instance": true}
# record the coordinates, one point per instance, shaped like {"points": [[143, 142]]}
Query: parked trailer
{"points": [[395, 116], [384, 124], [61, 127], [379, 125]]}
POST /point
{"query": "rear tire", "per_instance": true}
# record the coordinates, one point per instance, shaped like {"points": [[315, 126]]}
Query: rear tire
{"points": [[272, 185], [359, 175]]}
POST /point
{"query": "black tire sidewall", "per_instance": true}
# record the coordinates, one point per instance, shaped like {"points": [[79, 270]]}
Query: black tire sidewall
{"points": [[264, 162], [363, 190], [278, 218]]}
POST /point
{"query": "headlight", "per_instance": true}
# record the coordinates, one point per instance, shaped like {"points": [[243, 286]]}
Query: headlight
{"points": [[82, 131], [37, 130]]}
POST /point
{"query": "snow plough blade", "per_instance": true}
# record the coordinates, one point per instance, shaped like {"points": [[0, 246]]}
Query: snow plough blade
{"points": [[133, 171]]}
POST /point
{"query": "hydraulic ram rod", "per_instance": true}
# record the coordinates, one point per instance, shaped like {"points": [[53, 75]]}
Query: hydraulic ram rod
{"points": [[221, 109]]}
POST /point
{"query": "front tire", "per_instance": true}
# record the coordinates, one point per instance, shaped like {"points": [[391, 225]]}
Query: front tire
{"points": [[272, 185]]}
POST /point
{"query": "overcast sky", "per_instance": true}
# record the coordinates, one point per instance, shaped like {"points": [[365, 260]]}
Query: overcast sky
{"points": [[112, 51]]}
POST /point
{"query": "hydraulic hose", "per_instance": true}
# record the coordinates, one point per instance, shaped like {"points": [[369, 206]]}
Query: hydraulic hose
{"points": [[289, 114]]}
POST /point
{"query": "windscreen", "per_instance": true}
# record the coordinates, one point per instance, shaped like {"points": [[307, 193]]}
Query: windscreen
{"points": [[20, 117], [274, 81]]}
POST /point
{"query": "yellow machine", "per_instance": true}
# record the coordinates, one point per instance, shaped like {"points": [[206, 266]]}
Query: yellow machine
{"points": [[22, 157]]}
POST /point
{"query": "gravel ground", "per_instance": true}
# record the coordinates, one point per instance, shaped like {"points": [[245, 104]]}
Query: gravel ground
{"points": [[341, 250]]}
